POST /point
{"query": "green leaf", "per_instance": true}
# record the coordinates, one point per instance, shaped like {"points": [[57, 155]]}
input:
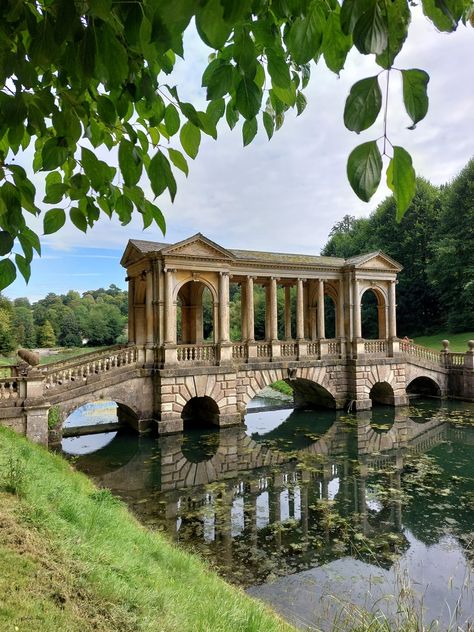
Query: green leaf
{"points": [[210, 24], [415, 98], [306, 33], [190, 137], [219, 82], [336, 44], [161, 176], [171, 119], [124, 208], [279, 70], [54, 154], [231, 114], [248, 98], [215, 110], [249, 130], [106, 110], [445, 14], [370, 31], [78, 219], [23, 266], [7, 273], [363, 104], [178, 160], [112, 57], [130, 163], [55, 193], [268, 123], [401, 180], [157, 216], [300, 103], [29, 237], [397, 16], [6, 242], [53, 220], [364, 169]]}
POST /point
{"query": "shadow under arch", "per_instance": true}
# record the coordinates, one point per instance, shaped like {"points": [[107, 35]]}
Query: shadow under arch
{"points": [[423, 386], [200, 412], [382, 393], [97, 412], [310, 395]]}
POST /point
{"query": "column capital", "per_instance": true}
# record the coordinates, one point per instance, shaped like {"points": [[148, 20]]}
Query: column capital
{"points": [[224, 273], [171, 270]]}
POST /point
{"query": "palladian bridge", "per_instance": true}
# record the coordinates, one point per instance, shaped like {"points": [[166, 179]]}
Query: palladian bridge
{"points": [[182, 365]]}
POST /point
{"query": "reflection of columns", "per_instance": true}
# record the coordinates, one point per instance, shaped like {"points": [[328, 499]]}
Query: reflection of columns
{"points": [[170, 316], [357, 321], [149, 308], [392, 302], [299, 310], [249, 310], [224, 307], [321, 328], [287, 312], [340, 310], [131, 311], [273, 309]]}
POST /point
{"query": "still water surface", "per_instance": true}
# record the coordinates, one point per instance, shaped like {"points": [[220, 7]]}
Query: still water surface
{"points": [[318, 513]]}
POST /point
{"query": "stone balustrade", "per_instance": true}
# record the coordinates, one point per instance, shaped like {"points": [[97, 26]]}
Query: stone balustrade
{"points": [[421, 352], [454, 359], [378, 347], [8, 389], [196, 353]]}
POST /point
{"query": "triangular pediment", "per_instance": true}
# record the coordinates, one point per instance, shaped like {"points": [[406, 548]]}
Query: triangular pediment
{"points": [[197, 246], [374, 261]]}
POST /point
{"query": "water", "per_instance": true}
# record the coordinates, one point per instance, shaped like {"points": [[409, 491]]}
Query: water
{"points": [[318, 513]]}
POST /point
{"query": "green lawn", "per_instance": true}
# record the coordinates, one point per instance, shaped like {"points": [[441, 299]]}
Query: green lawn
{"points": [[65, 353], [73, 558], [457, 342]]}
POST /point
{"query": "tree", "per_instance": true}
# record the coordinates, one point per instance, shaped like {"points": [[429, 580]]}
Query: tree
{"points": [[451, 269], [77, 77], [46, 335], [70, 334], [24, 326]]}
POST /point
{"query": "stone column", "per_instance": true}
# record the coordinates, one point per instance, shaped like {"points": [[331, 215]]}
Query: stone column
{"points": [[131, 311], [170, 311], [392, 310], [250, 316], [149, 308], [243, 311], [321, 327], [357, 315], [299, 310], [287, 312], [340, 310], [273, 309], [224, 307]]}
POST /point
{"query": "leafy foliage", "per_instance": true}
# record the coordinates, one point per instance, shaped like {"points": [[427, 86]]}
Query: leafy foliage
{"points": [[80, 79]]}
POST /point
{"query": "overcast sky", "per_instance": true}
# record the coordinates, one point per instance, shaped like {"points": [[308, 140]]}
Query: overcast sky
{"points": [[286, 194]]}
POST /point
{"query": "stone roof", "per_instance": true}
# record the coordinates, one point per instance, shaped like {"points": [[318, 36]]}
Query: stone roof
{"points": [[282, 257], [148, 246]]}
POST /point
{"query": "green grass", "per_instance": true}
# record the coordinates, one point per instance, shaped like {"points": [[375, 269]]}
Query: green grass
{"points": [[282, 387], [457, 342], [65, 353], [73, 558]]}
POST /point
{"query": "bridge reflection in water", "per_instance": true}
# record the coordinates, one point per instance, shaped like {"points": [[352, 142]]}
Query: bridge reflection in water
{"points": [[318, 487]]}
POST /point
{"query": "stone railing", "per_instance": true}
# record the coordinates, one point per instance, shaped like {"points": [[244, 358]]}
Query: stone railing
{"points": [[334, 347], [314, 348], [196, 353], [264, 350], [288, 349], [410, 348], [83, 358], [8, 390], [63, 374], [239, 351], [375, 346], [453, 359]]}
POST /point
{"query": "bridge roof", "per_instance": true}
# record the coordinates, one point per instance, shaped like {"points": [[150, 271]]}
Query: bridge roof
{"points": [[143, 248]]}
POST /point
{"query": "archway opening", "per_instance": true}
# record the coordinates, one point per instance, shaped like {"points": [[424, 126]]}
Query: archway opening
{"points": [[200, 412], [373, 315], [329, 317], [382, 393], [423, 387], [195, 314], [310, 395]]}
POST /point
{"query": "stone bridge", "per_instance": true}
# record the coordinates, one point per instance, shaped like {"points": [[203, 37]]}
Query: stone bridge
{"points": [[181, 366]]}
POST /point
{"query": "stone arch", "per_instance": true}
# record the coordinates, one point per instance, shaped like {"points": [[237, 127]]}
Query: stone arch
{"points": [[189, 299], [381, 297], [199, 411], [196, 278], [382, 393], [314, 380], [125, 412], [384, 373], [424, 385]]}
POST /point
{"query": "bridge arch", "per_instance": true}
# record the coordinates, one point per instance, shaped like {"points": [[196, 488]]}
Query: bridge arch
{"points": [[382, 393], [381, 303], [126, 414], [424, 385], [200, 411]]}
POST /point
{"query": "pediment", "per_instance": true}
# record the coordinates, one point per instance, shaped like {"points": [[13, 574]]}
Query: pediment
{"points": [[197, 246], [375, 261]]}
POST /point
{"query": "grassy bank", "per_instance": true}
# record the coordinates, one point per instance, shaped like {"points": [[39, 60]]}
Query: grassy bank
{"points": [[73, 558], [457, 342], [60, 353]]}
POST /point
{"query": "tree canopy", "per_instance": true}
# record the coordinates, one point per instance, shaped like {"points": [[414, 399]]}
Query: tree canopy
{"points": [[87, 75]]}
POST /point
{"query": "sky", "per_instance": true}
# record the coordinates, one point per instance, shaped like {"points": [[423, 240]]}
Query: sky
{"points": [[282, 195]]}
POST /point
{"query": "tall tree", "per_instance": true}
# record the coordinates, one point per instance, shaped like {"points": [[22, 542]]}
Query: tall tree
{"points": [[46, 335], [80, 76]]}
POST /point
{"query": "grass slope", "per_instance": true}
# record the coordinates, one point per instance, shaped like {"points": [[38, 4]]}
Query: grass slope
{"points": [[73, 558], [457, 342]]}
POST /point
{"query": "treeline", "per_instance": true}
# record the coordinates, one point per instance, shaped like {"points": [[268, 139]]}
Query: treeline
{"points": [[435, 244], [98, 317]]}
